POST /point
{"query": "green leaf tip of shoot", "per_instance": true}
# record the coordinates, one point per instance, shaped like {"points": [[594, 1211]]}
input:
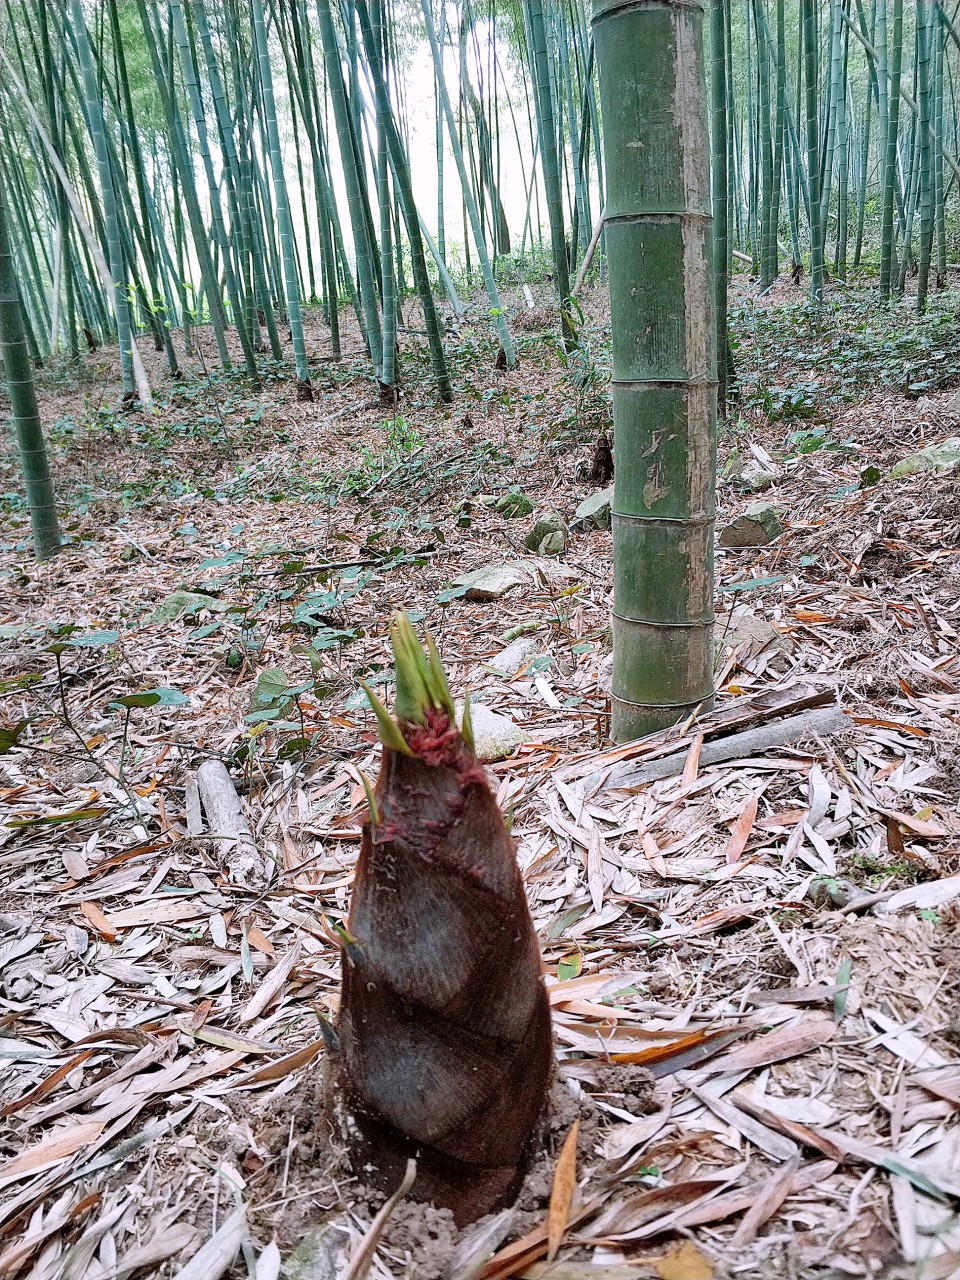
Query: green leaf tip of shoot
{"points": [[347, 943], [390, 734], [441, 688], [421, 680], [342, 933], [466, 727], [371, 799], [331, 1041]]}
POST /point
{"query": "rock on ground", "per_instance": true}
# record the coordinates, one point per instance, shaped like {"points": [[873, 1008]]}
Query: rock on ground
{"points": [[513, 505], [758, 525], [593, 512], [935, 457], [547, 526], [491, 581], [495, 737], [514, 656]]}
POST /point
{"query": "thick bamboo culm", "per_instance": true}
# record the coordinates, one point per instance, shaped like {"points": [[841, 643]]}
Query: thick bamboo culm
{"points": [[659, 247]]}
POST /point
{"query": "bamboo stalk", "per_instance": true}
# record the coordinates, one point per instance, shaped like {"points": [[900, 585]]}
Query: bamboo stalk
{"points": [[659, 250], [41, 500]]}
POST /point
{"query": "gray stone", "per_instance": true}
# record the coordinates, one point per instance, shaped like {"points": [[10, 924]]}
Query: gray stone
{"points": [[926, 407], [495, 737], [186, 604], [758, 525], [554, 544], [952, 408], [513, 505], [732, 466], [546, 524], [511, 659], [756, 481], [492, 581], [935, 457], [593, 512]]}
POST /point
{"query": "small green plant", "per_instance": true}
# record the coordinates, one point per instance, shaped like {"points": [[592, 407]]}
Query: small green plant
{"points": [[779, 403], [793, 361], [875, 868], [588, 370], [69, 638], [800, 442], [403, 437]]}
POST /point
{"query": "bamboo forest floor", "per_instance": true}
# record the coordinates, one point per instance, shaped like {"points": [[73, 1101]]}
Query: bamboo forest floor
{"points": [[753, 917]]}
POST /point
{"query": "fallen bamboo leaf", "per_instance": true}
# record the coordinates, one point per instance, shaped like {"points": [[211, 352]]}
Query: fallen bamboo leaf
{"points": [[674, 1056], [16, 1256], [791, 1128], [772, 1143], [212, 1259], [164, 1245], [741, 831], [772, 1195], [943, 1083], [98, 921], [257, 938], [626, 1138], [628, 1220], [890, 724], [53, 819], [151, 913], [561, 1195], [584, 1271], [226, 1039], [280, 1067], [268, 1264], [741, 1199], [925, 897], [919, 826], [691, 765], [789, 1042], [360, 1262], [844, 974], [722, 918], [148, 1056], [595, 869], [903, 1043], [939, 1183], [50, 1150], [591, 984], [271, 985], [19, 947], [477, 1244], [519, 1255], [46, 1086], [792, 995]]}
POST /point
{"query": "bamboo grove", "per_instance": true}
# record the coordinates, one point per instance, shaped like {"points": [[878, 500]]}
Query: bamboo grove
{"points": [[226, 163], [242, 176]]}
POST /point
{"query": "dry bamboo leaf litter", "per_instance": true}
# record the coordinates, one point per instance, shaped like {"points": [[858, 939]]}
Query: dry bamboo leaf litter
{"points": [[709, 905]]}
